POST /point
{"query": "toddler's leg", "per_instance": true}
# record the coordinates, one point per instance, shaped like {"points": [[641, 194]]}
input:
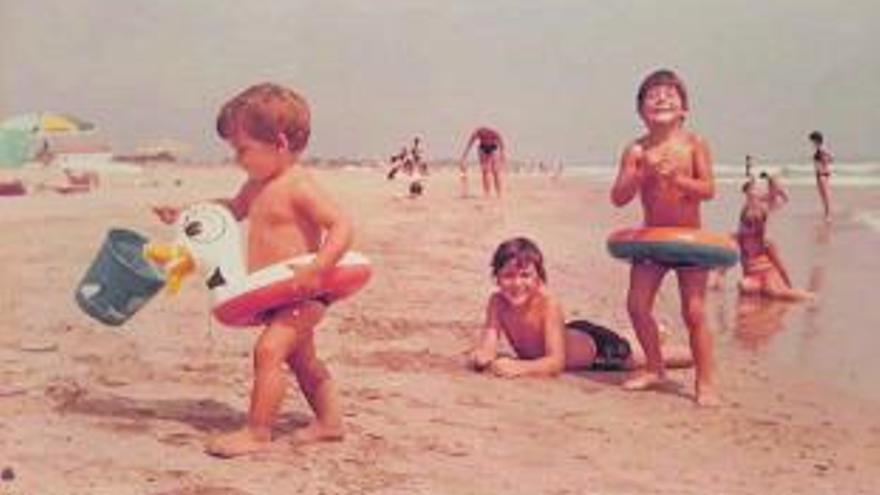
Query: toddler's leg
{"points": [[644, 282], [278, 341], [692, 289], [320, 391]]}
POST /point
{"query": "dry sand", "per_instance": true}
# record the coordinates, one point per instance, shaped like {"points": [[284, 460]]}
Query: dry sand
{"points": [[87, 409]]}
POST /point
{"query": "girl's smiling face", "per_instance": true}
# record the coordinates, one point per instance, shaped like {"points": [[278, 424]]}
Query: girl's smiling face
{"points": [[518, 281]]}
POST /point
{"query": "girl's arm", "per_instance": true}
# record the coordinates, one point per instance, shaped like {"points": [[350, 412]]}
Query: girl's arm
{"points": [[629, 176]]}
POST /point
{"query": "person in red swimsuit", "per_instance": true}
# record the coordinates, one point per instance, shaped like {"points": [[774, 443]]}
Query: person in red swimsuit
{"points": [[492, 158]]}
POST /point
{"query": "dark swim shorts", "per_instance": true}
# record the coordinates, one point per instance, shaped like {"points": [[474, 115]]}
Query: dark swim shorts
{"points": [[612, 350], [488, 148]]}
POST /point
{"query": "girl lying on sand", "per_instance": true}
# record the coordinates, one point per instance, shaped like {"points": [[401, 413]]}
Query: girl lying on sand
{"points": [[531, 320]]}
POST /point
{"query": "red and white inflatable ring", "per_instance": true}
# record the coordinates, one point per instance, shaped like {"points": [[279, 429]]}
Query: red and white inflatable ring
{"points": [[245, 303]]}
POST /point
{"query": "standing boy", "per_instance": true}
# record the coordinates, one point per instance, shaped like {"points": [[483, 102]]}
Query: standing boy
{"points": [[670, 168]]}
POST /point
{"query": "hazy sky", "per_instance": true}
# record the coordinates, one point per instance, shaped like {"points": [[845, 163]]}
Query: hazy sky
{"points": [[557, 77]]}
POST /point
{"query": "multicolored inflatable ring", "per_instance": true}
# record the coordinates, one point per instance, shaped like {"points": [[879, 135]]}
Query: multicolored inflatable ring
{"points": [[673, 246]]}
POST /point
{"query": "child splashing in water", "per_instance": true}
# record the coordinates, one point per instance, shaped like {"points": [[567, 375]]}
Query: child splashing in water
{"points": [[531, 319], [670, 168]]}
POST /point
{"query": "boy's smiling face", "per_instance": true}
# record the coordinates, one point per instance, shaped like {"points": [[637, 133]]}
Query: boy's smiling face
{"points": [[518, 282], [662, 105]]}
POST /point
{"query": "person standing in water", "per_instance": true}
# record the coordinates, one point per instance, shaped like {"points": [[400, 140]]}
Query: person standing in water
{"points": [[822, 162]]}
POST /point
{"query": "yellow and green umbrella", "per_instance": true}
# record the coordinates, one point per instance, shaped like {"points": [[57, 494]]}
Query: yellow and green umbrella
{"points": [[47, 123]]}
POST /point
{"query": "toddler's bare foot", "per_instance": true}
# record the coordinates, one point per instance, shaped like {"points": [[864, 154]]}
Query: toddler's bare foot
{"points": [[317, 432], [643, 381], [241, 442]]}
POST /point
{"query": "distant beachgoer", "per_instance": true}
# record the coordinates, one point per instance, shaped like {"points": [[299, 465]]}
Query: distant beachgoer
{"points": [[398, 163], [749, 165], [268, 127], [670, 168], [531, 319], [417, 155], [764, 274], [492, 158], [822, 162], [776, 195]]}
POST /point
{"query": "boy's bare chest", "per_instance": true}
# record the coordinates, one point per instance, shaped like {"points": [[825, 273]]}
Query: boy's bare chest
{"points": [[524, 329], [668, 156]]}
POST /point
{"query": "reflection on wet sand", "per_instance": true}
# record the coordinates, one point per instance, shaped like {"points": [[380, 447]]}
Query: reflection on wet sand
{"points": [[758, 320]]}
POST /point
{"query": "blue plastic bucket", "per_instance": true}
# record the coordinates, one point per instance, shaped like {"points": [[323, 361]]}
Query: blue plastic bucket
{"points": [[120, 281]]}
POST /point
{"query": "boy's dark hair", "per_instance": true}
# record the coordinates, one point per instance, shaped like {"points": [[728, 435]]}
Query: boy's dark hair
{"points": [[816, 137], [659, 78], [265, 110], [521, 249]]}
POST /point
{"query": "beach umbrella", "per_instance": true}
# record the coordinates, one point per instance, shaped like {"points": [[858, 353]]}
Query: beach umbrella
{"points": [[47, 123]]}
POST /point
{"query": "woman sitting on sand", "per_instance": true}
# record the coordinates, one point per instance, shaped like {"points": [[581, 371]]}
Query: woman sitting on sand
{"points": [[531, 320]]}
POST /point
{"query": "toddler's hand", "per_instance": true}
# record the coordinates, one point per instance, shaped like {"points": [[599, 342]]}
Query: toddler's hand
{"points": [[308, 277], [167, 214]]}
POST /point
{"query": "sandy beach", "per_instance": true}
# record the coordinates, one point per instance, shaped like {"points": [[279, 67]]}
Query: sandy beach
{"points": [[90, 409]]}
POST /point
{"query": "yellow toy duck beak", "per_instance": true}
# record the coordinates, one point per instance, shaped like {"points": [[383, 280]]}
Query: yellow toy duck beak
{"points": [[174, 259]]}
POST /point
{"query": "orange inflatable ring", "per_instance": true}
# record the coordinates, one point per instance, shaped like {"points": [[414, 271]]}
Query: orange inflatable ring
{"points": [[674, 246]]}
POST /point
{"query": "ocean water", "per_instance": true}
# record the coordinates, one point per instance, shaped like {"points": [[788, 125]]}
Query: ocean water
{"points": [[846, 177], [835, 340], [866, 174]]}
